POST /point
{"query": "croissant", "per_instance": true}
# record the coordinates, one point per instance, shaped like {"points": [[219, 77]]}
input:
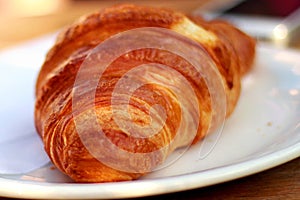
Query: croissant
{"points": [[67, 126]]}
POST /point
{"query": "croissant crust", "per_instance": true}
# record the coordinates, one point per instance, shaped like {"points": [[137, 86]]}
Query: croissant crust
{"points": [[231, 50]]}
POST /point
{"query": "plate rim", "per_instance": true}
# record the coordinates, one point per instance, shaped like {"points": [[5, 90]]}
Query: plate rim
{"points": [[45, 190]]}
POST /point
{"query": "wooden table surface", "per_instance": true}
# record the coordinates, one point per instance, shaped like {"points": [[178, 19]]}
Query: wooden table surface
{"points": [[282, 182]]}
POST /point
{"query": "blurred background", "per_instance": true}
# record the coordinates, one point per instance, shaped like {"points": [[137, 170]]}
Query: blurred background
{"points": [[21, 20], [24, 19]]}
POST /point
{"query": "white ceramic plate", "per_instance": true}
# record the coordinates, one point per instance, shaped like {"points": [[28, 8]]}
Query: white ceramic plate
{"points": [[263, 132]]}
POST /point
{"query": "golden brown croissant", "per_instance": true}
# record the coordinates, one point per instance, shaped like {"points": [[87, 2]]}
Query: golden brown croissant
{"points": [[59, 119]]}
